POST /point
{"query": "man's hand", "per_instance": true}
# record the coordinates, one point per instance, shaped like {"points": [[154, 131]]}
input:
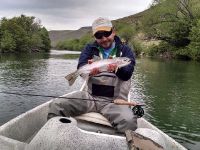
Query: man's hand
{"points": [[112, 67], [124, 102], [94, 71], [90, 61]]}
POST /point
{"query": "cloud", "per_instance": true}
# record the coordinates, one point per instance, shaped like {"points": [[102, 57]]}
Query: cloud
{"points": [[71, 14]]}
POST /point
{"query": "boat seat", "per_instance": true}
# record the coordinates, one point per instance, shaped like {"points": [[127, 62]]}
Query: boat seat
{"points": [[95, 118], [63, 133]]}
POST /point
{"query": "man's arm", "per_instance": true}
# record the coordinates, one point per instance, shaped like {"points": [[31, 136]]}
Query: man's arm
{"points": [[126, 72], [86, 55]]}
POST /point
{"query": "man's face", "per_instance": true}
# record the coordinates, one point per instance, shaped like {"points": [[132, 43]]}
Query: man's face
{"points": [[104, 39]]}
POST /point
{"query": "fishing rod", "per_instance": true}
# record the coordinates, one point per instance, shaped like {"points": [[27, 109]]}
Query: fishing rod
{"points": [[137, 109], [117, 101], [52, 96]]}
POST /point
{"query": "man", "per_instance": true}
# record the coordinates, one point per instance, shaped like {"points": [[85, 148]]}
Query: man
{"points": [[114, 84]]}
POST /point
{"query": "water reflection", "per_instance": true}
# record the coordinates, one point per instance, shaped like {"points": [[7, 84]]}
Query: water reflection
{"points": [[39, 73], [171, 91], [20, 70]]}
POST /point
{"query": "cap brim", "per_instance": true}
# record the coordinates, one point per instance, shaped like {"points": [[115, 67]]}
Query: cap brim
{"points": [[102, 29]]}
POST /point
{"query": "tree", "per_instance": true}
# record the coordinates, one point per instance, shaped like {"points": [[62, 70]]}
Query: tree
{"points": [[46, 43], [194, 46], [125, 31], [26, 32], [36, 41], [7, 42], [171, 21]]}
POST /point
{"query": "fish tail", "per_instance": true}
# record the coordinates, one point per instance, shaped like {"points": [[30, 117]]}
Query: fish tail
{"points": [[72, 77]]}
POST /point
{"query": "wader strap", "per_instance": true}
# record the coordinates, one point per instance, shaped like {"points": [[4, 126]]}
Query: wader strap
{"points": [[111, 55]]}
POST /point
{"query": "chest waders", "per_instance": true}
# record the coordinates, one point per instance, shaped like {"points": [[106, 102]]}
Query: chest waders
{"points": [[104, 85], [107, 84]]}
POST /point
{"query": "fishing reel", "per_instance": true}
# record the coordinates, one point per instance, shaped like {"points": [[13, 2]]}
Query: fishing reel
{"points": [[138, 111]]}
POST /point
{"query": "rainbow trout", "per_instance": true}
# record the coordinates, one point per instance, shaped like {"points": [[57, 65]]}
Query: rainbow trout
{"points": [[102, 65]]}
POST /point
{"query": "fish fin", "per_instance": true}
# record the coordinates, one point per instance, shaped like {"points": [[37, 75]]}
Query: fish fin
{"points": [[72, 77], [116, 69], [86, 79], [84, 76], [96, 58]]}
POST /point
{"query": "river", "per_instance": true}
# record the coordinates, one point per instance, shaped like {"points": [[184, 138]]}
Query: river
{"points": [[169, 88]]}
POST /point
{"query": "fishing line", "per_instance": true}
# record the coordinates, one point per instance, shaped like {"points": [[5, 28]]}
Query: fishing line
{"points": [[137, 110]]}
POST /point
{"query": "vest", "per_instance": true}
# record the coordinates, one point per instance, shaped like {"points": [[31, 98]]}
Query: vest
{"points": [[107, 84]]}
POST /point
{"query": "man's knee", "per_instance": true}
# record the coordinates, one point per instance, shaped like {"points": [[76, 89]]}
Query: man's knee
{"points": [[56, 109], [131, 123], [55, 105], [127, 123]]}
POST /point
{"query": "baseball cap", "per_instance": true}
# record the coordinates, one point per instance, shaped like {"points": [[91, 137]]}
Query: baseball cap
{"points": [[101, 24]]}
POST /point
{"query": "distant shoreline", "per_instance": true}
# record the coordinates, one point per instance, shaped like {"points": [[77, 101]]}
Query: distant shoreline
{"points": [[59, 52]]}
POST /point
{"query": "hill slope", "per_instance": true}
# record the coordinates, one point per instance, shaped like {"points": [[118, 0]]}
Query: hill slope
{"points": [[132, 18], [61, 35]]}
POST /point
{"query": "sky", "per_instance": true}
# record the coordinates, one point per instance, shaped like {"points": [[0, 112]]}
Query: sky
{"points": [[71, 14]]}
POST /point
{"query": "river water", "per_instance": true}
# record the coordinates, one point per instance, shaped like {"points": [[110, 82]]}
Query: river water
{"points": [[170, 89]]}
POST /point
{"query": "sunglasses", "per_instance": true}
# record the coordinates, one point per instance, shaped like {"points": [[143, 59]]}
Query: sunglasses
{"points": [[101, 34]]}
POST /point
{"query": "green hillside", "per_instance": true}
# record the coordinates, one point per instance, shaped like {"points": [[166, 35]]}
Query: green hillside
{"points": [[62, 35], [169, 28]]}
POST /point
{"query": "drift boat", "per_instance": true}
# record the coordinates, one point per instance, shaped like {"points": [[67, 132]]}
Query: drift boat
{"points": [[32, 131]]}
